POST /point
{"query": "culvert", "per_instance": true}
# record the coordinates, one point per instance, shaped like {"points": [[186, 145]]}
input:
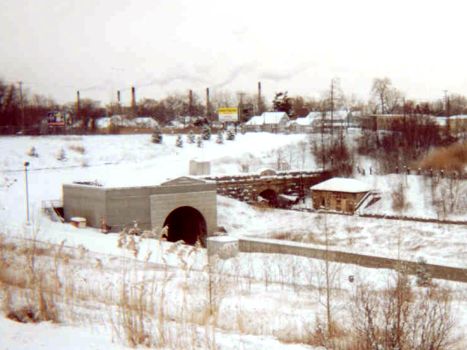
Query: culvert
{"points": [[270, 196]]}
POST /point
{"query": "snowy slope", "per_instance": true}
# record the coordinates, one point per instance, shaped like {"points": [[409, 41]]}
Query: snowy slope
{"points": [[126, 160]]}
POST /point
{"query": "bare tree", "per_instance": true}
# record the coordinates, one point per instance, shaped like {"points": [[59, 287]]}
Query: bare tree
{"points": [[387, 97]]}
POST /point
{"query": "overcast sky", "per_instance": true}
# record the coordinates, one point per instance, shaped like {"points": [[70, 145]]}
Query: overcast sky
{"points": [[161, 46]]}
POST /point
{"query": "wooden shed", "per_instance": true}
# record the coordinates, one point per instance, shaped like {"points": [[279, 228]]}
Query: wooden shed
{"points": [[339, 194]]}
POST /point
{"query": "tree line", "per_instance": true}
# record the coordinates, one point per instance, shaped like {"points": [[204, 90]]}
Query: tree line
{"points": [[22, 109]]}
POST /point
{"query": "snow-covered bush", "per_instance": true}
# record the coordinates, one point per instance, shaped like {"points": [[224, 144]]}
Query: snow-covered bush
{"points": [[242, 129], [190, 137], [199, 141], [33, 152], [156, 135], [61, 155], [206, 132], [230, 135], [220, 137], [179, 141]]}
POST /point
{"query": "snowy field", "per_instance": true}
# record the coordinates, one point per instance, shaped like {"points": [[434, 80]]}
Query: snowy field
{"points": [[270, 303]]}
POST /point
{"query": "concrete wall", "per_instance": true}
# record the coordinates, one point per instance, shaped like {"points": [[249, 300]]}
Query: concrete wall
{"points": [[85, 201], [119, 206], [149, 206], [124, 205], [162, 204], [256, 245]]}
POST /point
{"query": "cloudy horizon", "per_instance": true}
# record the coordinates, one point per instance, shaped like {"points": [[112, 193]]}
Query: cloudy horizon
{"points": [[57, 47]]}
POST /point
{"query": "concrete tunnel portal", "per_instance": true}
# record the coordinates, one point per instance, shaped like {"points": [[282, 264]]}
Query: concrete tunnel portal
{"points": [[186, 223]]}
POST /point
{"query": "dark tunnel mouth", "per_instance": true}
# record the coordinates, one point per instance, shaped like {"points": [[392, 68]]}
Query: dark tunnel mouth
{"points": [[187, 224], [270, 196]]}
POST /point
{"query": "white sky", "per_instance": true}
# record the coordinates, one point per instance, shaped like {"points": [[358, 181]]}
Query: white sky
{"points": [[59, 46]]}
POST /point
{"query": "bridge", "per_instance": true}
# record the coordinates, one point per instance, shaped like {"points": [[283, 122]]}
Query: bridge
{"points": [[277, 188]]}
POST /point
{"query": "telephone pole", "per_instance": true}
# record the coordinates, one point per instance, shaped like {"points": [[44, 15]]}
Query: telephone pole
{"points": [[446, 97], [260, 101], [332, 110], [208, 105]]}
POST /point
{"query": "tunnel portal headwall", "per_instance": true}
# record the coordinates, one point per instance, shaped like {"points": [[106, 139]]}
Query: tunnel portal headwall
{"points": [[149, 206]]}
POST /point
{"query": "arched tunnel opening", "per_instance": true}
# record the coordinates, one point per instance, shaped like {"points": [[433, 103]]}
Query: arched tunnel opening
{"points": [[187, 224], [270, 196]]}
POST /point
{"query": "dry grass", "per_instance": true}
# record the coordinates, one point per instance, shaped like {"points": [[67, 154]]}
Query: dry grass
{"points": [[37, 290], [166, 308], [77, 148], [452, 158]]}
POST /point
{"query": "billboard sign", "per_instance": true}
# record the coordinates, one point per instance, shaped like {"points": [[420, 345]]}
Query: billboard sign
{"points": [[228, 114]]}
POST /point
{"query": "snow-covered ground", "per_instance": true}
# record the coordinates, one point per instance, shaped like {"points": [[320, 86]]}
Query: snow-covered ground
{"points": [[127, 160]]}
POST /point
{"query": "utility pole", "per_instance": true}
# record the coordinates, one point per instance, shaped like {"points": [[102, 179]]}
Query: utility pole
{"points": [[190, 103], [240, 105], [22, 105], [208, 105], [133, 102], [447, 107], [26, 164], [78, 110], [332, 110], [119, 104], [260, 102]]}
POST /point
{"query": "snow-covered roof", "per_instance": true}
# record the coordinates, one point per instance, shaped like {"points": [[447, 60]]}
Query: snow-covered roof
{"points": [[459, 116], [256, 120], [303, 121], [341, 184], [143, 122], [274, 117], [341, 114]]}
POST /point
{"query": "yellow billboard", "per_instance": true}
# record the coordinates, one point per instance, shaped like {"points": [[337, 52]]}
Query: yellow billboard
{"points": [[228, 114]]}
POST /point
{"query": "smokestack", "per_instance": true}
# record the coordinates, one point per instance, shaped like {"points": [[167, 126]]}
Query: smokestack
{"points": [[78, 107], [119, 101], [208, 106], [133, 101], [260, 107], [190, 103]]}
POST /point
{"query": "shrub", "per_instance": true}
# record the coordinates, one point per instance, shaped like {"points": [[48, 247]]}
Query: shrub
{"points": [[230, 135], [61, 155], [452, 158], [33, 152], [206, 133], [191, 137], [199, 142], [220, 137], [401, 318], [156, 135], [179, 141]]}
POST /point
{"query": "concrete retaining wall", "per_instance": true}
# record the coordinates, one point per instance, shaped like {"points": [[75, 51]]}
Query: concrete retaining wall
{"points": [[84, 201], [256, 245]]}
